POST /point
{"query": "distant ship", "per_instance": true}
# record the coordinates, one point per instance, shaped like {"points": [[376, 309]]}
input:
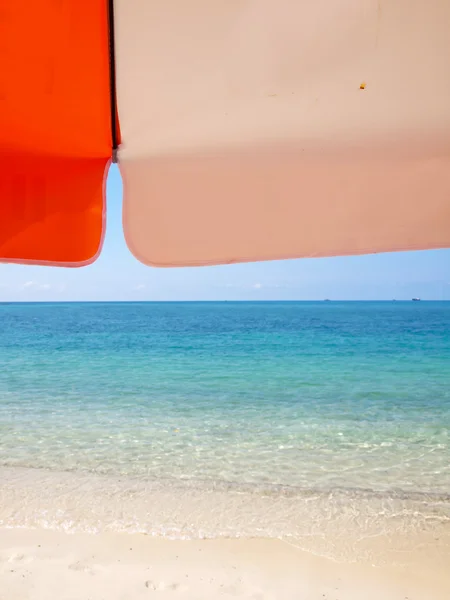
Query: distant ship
{"points": [[416, 299]]}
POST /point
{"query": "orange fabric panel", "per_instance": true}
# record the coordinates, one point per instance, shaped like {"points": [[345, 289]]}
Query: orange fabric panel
{"points": [[55, 129], [53, 211]]}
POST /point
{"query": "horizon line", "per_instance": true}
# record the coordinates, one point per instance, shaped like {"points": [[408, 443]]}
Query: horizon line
{"points": [[254, 301]]}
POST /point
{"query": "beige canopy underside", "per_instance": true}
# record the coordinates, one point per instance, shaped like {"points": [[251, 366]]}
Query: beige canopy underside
{"points": [[268, 129]]}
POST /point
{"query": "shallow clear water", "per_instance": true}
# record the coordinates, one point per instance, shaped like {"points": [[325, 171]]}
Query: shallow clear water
{"points": [[259, 398]]}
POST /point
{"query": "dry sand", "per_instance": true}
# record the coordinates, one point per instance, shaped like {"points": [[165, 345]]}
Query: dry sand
{"points": [[42, 564]]}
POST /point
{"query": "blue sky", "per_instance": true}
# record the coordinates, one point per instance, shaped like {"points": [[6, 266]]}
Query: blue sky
{"points": [[117, 275]]}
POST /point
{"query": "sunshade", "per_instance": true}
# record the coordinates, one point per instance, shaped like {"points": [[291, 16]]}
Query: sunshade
{"points": [[246, 129]]}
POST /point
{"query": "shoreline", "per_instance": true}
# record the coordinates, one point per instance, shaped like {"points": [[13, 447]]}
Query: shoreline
{"points": [[344, 525], [41, 564], [348, 527]]}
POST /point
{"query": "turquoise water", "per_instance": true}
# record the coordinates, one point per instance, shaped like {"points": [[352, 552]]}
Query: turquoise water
{"points": [[279, 400]]}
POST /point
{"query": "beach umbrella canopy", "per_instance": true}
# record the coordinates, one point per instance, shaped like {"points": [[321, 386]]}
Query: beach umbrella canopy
{"points": [[244, 129]]}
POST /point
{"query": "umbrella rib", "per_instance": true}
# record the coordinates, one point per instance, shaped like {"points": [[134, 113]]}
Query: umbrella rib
{"points": [[112, 79]]}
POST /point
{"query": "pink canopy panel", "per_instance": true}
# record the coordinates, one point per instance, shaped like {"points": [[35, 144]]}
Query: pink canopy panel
{"points": [[268, 129]]}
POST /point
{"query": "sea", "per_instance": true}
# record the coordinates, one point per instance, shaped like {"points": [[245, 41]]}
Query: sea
{"points": [[324, 424]]}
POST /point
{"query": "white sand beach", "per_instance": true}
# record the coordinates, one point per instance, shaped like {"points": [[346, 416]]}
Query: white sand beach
{"points": [[43, 565]]}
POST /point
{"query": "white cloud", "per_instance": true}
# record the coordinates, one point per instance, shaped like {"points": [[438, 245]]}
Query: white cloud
{"points": [[34, 285], [257, 286], [140, 287]]}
